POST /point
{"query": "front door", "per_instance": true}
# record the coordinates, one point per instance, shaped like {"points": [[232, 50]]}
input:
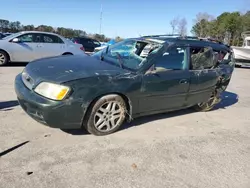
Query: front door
{"points": [[26, 48], [166, 87]]}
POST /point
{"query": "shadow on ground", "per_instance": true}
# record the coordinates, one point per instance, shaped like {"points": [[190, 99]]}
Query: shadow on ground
{"points": [[12, 148], [7, 105], [243, 67], [75, 131], [14, 64], [228, 99]]}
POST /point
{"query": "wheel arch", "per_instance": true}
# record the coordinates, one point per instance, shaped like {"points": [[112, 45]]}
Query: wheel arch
{"points": [[123, 96], [6, 53], [67, 53]]}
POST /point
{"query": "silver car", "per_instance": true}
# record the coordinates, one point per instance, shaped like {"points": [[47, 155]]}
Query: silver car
{"points": [[27, 46]]}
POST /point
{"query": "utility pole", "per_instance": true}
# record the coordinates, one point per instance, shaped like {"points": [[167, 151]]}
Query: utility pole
{"points": [[100, 29]]}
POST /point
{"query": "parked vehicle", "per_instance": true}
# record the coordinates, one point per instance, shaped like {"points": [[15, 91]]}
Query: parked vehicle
{"points": [[242, 54], [2, 35], [117, 84], [8, 34], [89, 44], [27, 46], [104, 45]]}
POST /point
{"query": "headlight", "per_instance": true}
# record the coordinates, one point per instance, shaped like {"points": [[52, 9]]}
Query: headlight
{"points": [[52, 91]]}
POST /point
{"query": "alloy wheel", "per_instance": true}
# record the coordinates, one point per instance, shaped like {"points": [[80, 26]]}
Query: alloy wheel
{"points": [[210, 102], [108, 116], [2, 59]]}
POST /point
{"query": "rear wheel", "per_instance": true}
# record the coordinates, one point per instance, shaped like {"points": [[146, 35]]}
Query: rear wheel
{"points": [[238, 65], [106, 116], [209, 104], [4, 58]]}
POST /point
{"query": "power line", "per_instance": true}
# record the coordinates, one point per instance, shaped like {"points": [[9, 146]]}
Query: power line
{"points": [[100, 29]]}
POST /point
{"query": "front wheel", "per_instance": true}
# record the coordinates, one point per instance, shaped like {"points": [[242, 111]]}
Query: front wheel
{"points": [[106, 116], [209, 104], [4, 59]]}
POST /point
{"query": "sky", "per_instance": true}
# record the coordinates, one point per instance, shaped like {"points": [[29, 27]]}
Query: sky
{"points": [[125, 18]]}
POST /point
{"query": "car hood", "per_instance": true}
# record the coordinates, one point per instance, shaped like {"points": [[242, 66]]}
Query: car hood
{"points": [[71, 67]]}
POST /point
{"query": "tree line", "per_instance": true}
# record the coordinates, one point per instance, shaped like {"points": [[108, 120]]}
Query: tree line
{"points": [[7, 26], [226, 28]]}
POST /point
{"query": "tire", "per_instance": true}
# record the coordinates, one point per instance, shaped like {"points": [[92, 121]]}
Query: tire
{"points": [[4, 58], [100, 117], [209, 104]]}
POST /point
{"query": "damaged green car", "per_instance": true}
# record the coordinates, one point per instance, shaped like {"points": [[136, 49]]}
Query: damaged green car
{"points": [[132, 78]]}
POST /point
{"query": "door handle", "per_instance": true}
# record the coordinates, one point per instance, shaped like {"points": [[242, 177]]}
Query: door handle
{"points": [[183, 81]]}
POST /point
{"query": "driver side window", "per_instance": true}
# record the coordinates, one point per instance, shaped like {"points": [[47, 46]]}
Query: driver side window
{"points": [[174, 58], [26, 38]]}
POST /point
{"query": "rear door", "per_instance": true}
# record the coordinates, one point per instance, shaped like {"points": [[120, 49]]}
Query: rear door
{"points": [[203, 78], [51, 45]]}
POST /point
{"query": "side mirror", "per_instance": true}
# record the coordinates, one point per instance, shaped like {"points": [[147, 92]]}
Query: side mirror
{"points": [[15, 40]]}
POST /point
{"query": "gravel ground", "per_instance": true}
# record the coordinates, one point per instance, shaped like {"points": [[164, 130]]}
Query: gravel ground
{"points": [[180, 149]]}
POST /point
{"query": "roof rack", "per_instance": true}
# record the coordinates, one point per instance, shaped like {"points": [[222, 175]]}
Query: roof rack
{"points": [[163, 35], [173, 35], [178, 36], [210, 40]]}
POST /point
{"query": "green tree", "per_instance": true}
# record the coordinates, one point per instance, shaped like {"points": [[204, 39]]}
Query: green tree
{"points": [[4, 24], [16, 26], [227, 27], [45, 28], [28, 27]]}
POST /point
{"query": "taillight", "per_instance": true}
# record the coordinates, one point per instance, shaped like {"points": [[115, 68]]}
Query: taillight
{"points": [[82, 48]]}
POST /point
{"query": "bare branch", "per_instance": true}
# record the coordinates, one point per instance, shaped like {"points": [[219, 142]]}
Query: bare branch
{"points": [[182, 27], [174, 23]]}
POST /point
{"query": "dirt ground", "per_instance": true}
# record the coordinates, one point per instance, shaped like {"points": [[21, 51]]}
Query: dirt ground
{"points": [[182, 149]]}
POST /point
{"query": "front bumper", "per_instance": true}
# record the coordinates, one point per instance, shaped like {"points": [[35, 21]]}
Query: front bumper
{"points": [[65, 114]]}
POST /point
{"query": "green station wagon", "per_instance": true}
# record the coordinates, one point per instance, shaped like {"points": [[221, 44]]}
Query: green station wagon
{"points": [[132, 78]]}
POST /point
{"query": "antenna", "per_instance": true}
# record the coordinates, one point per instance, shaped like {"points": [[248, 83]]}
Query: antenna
{"points": [[100, 29]]}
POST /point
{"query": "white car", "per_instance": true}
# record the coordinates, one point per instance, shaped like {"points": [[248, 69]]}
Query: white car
{"points": [[27, 46]]}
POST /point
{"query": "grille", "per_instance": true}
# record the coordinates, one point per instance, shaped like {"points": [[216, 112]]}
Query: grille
{"points": [[27, 80]]}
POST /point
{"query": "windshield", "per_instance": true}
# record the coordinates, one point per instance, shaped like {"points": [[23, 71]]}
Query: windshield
{"points": [[129, 53], [11, 36]]}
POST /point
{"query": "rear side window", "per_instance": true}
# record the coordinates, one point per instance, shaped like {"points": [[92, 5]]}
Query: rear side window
{"points": [[90, 42], [46, 38], [82, 41], [201, 58]]}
